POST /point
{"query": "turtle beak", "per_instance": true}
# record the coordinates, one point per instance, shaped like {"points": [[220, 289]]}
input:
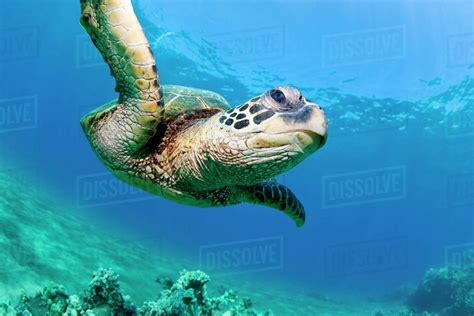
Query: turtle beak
{"points": [[316, 121], [304, 131], [311, 130]]}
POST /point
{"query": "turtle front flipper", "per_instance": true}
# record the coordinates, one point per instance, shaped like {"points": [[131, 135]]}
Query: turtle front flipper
{"points": [[116, 32], [276, 196]]}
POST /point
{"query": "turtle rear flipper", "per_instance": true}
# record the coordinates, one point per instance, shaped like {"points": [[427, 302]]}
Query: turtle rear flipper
{"points": [[115, 31], [276, 196]]}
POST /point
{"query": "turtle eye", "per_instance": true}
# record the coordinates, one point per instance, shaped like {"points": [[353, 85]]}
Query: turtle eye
{"points": [[278, 96]]}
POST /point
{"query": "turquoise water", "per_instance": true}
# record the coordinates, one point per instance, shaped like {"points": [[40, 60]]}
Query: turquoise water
{"points": [[388, 197]]}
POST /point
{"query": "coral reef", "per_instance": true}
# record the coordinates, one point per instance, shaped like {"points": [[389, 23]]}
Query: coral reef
{"points": [[445, 291], [52, 300], [187, 296], [103, 294]]}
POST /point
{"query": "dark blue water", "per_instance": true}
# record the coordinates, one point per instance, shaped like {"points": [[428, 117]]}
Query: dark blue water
{"points": [[390, 195]]}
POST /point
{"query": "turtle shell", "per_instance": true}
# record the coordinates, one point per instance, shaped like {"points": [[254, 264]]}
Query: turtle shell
{"points": [[179, 99]]}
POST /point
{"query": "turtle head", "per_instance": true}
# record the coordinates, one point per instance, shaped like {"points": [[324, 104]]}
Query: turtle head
{"points": [[278, 130], [282, 117]]}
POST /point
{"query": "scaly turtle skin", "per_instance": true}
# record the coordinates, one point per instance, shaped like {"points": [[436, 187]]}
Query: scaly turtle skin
{"points": [[187, 144]]}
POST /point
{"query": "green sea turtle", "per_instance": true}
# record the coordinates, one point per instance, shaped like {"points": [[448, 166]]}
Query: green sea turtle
{"points": [[188, 145]]}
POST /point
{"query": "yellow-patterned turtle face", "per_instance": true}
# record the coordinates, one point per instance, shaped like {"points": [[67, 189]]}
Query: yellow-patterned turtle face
{"points": [[280, 120]]}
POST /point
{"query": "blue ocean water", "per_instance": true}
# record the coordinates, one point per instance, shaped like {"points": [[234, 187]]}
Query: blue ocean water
{"points": [[389, 196]]}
